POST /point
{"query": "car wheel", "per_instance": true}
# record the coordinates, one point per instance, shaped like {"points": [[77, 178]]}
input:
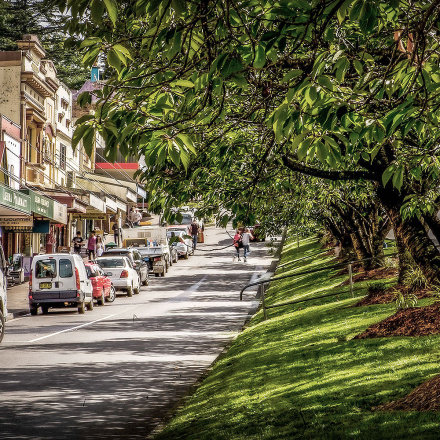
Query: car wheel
{"points": [[34, 311], [45, 309], [101, 301], [112, 295], [171, 261], [2, 326], [186, 256], [90, 304], [137, 290], [145, 282], [81, 308], [130, 291]]}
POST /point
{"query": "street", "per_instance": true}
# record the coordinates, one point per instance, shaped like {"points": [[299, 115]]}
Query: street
{"points": [[116, 371]]}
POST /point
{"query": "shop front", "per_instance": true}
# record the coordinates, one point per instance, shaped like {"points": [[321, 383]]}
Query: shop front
{"points": [[15, 220], [50, 220]]}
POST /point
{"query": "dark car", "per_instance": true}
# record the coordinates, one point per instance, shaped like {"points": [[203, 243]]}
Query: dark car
{"points": [[138, 262], [257, 233]]}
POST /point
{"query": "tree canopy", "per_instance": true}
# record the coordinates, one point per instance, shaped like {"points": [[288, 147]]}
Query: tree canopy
{"points": [[229, 97]]}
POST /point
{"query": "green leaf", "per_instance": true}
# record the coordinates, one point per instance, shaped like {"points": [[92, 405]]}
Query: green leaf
{"points": [[183, 83], [398, 177], [298, 139], [90, 41], [179, 6], [112, 10], [260, 57], [325, 82], [91, 55], [292, 74], [321, 151], [387, 174], [304, 148], [97, 10], [114, 60], [89, 140], [358, 66], [174, 152]]}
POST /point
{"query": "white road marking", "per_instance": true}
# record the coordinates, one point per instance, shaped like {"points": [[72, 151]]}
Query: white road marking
{"points": [[196, 286], [72, 328]]}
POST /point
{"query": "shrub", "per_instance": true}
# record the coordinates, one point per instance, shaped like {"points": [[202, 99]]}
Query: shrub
{"points": [[376, 287], [405, 301], [414, 279]]}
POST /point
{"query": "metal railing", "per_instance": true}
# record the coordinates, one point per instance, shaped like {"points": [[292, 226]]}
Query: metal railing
{"points": [[268, 277]]}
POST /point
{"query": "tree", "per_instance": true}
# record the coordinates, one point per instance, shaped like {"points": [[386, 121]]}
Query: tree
{"points": [[20, 17], [340, 90]]}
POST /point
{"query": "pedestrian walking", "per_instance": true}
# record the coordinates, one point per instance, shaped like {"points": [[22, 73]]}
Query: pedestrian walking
{"points": [[246, 238], [194, 228], [99, 246], [238, 244], [77, 241], [91, 246], [137, 217], [116, 231]]}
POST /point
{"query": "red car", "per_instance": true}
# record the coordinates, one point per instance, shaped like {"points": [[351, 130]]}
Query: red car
{"points": [[103, 289]]}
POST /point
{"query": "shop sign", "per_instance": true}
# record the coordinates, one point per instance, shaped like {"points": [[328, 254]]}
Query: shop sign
{"points": [[121, 206], [111, 204], [131, 196], [89, 216], [8, 221], [97, 203], [14, 199], [60, 213], [40, 205], [141, 192]]}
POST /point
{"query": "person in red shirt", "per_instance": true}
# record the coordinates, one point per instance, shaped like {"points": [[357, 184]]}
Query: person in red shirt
{"points": [[236, 241], [91, 245]]}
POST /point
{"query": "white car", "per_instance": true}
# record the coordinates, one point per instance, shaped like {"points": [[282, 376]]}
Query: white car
{"points": [[183, 245], [59, 280], [120, 270]]}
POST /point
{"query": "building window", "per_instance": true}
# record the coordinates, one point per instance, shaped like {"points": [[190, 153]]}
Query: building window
{"points": [[62, 156]]}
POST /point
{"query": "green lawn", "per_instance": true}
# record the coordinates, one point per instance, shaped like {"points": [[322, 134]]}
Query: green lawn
{"points": [[300, 375]]}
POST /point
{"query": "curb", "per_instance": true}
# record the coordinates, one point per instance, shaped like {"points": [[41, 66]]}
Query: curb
{"points": [[16, 314]]}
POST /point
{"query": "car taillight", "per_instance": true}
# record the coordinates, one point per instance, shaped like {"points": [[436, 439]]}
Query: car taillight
{"points": [[78, 285], [157, 259], [124, 274], [30, 284]]}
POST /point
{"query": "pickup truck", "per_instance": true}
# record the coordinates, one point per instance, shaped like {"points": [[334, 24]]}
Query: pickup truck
{"points": [[158, 259]]}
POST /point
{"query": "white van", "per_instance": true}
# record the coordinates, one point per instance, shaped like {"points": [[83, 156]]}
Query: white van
{"points": [[59, 280], [3, 295]]}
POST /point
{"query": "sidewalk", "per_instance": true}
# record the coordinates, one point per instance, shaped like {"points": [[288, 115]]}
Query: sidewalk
{"points": [[18, 303]]}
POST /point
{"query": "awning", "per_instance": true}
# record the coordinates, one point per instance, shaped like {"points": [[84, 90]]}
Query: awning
{"points": [[122, 206], [95, 204], [72, 203]]}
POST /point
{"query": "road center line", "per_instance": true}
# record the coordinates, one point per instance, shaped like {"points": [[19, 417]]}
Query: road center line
{"points": [[73, 328]]}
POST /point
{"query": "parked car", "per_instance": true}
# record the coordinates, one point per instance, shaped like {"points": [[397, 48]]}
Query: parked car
{"points": [[103, 289], [121, 273], [59, 280], [257, 233], [157, 259], [3, 294], [136, 259], [179, 239]]}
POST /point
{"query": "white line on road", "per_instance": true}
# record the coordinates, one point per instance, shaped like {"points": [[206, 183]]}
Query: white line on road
{"points": [[72, 328]]}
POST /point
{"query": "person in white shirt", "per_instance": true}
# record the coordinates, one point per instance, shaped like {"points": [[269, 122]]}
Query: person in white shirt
{"points": [[246, 237]]}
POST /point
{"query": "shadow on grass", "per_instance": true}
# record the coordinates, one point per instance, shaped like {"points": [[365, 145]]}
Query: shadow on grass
{"points": [[300, 375]]}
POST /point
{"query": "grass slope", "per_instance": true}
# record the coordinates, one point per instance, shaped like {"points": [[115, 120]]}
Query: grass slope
{"points": [[299, 374]]}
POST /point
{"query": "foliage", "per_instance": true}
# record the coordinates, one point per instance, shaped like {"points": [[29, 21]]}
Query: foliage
{"points": [[415, 279], [20, 17], [376, 287], [405, 301], [238, 101]]}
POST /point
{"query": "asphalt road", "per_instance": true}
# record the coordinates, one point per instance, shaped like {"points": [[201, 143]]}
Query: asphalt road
{"points": [[117, 370]]}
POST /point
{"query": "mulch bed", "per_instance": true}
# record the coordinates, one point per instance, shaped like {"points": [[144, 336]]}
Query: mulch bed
{"points": [[425, 397], [414, 321], [389, 295]]}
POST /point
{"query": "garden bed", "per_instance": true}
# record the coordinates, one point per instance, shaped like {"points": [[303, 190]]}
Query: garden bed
{"points": [[413, 321], [425, 397], [389, 296]]}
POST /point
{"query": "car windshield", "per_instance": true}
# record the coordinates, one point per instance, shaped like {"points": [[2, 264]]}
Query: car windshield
{"points": [[91, 272], [111, 262]]}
